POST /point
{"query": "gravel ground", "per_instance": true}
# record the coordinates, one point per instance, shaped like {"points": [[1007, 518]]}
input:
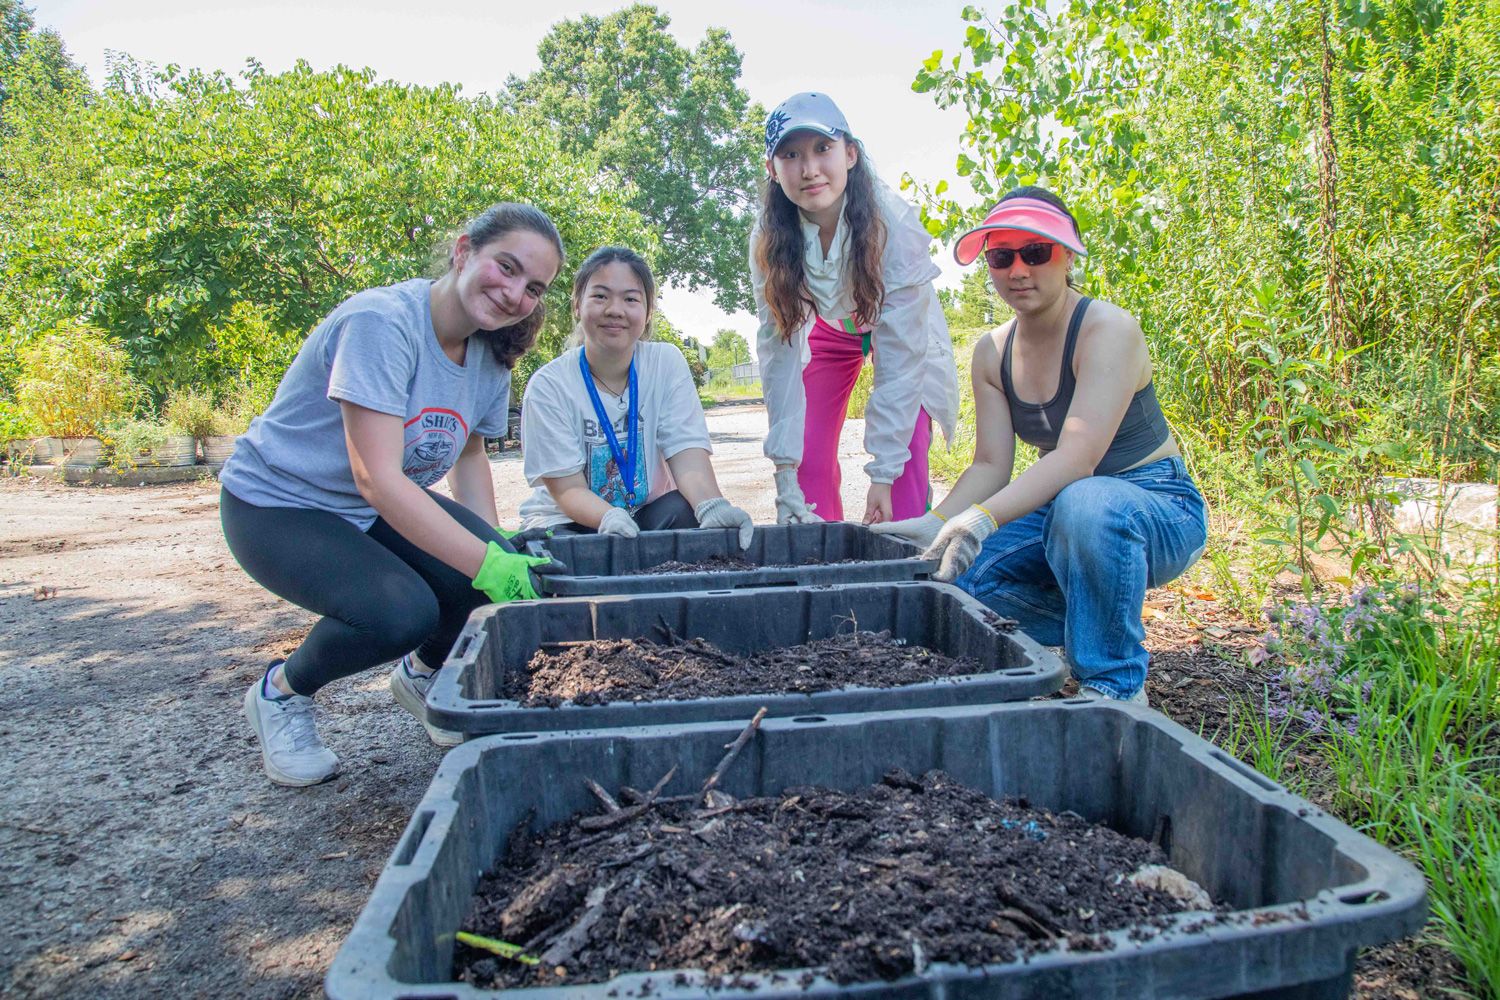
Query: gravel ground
{"points": [[143, 852]]}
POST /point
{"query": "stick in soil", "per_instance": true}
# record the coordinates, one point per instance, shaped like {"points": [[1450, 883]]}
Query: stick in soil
{"points": [[734, 751], [604, 797], [575, 937], [625, 815]]}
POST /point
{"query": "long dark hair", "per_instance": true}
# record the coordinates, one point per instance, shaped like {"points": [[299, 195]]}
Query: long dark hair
{"points": [[510, 342], [600, 258], [1042, 194], [778, 251]]}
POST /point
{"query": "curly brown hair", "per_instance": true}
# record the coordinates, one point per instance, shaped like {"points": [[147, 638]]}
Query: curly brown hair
{"points": [[778, 251]]}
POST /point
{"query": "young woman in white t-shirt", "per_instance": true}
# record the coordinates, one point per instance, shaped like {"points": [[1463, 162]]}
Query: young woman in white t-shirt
{"points": [[612, 430], [841, 268]]}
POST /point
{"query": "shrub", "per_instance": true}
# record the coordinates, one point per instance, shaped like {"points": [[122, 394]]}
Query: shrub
{"points": [[193, 410], [16, 422], [74, 381]]}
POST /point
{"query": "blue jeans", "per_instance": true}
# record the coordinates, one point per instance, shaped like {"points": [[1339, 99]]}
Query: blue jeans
{"points": [[1075, 572]]}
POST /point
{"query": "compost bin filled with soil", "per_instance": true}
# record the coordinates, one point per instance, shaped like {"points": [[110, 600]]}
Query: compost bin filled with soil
{"points": [[864, 885], [599, 671]]}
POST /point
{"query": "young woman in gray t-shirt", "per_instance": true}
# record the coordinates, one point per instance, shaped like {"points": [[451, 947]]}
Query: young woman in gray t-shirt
{"points": [[326, 503]]}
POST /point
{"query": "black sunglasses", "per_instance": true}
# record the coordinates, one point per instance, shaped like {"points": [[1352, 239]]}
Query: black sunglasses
{"points": [[1031, 255]]}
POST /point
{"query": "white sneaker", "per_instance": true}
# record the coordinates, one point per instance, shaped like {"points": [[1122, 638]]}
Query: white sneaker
{"points": [[1095, 694], [289, 743], [410, 688]]}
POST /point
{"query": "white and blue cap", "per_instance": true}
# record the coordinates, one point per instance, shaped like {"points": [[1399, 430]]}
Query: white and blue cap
{"points": [[815, 112]]}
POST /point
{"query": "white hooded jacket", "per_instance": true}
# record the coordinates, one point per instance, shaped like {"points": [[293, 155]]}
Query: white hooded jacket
{"points": [[913, 352]]}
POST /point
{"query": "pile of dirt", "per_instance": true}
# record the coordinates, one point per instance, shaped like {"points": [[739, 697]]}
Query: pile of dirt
{"points": [[599, 671], [865, 885]]}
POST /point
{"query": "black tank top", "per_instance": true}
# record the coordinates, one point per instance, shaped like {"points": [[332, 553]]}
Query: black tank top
{"points": [[1142, 430]]}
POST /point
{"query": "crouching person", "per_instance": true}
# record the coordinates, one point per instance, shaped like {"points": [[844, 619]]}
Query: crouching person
{"points": [[613, 432], [325, 502]]}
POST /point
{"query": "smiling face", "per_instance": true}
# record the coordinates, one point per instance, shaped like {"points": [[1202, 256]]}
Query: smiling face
{"points": [[500, 283], [1029, 288], [612, 309], [813, 170]]}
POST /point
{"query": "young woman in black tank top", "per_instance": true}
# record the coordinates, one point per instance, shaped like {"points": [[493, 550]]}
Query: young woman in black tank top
{"points": [[1069, 547]]}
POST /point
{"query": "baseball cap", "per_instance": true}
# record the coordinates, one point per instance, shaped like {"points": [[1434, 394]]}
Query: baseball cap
{"points": [[1023, 215], [806, 110]]}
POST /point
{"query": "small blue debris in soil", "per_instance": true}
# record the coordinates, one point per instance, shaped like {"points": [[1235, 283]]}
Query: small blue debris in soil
{"points": [[1030, 828]]}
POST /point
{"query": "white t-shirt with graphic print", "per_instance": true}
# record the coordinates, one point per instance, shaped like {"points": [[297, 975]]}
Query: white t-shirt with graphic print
{"points": [[561, 434]]}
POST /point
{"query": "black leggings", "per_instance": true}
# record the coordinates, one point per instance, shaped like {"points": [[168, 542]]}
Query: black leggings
{"points": [[380, 596], [668, 512]]}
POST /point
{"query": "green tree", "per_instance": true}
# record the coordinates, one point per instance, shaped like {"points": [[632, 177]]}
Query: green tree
{"points": [[670, 122], [728, 348], [973, 304], [172, 197]]}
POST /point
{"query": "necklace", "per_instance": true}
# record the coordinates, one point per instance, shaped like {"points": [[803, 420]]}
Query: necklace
{"points": [[609, 388]]}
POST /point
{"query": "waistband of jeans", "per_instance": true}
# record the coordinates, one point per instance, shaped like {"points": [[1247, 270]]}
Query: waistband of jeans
{"points": [[1175, 463]]}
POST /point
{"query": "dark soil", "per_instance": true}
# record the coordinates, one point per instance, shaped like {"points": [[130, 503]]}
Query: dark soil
{"points": [[605, 670], [724, 563], [718, 563], [866, 885]]}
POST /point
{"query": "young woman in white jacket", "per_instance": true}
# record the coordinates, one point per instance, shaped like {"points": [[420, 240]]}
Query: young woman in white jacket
{"points": [[841, 269]]}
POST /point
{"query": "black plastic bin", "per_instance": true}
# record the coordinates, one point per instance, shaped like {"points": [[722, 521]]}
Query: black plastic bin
{"points": [[595, 562], [1309, 891], [501, 638]]}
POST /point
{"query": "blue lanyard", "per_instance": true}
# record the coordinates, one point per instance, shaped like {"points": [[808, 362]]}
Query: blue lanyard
{"points": [[627, 460]]}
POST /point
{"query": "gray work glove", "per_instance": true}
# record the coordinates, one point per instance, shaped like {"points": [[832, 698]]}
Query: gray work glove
{"points": [[791, 506], [617, 521], [957, 544], [920, 531], [719, 513]]}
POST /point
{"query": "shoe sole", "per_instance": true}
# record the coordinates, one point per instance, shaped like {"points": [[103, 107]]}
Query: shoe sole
{"points": [[417, 708], [252, 716]]}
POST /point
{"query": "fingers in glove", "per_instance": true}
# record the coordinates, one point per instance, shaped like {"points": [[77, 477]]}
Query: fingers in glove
{"points": [[551, 567]]}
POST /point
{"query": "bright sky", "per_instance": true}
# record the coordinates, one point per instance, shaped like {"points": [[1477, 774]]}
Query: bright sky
{"points": [[864, 54]]}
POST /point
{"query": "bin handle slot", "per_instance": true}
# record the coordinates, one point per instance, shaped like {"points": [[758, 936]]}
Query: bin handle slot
{"points": [[1360, 898], [810, 718], [1260, 780], [414, 835]]}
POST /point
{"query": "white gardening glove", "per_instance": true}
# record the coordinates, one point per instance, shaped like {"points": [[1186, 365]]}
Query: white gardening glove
{"points": [[719, 513], [791, 506], [920, 531], [617, 521], [957, 544]]}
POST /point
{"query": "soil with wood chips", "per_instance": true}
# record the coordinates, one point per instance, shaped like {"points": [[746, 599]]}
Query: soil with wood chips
{"points": [[721, 562], [864, 885], [599, 671]]}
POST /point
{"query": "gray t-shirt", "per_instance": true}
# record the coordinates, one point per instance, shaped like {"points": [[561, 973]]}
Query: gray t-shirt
{"points": [[377, 350]]}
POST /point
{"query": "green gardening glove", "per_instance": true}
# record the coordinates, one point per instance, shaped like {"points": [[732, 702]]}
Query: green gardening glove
{"points": [[503, 575]]}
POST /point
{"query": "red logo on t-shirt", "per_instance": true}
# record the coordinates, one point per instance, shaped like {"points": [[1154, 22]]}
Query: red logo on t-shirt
{"points": [[434, 437]]}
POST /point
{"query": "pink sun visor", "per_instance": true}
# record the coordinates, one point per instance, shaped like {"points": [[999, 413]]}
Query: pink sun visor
{"points": [[1019, 217]]}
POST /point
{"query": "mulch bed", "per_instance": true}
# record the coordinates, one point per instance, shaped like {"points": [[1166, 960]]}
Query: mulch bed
{"points": [[599, 671], [871, 884]]}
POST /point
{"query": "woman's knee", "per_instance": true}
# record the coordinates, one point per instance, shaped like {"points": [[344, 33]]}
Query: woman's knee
{"points": [[1090, 509], [668, 512]]}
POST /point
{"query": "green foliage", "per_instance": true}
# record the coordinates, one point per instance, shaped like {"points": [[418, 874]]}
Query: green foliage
{"points": [[663, 330], [74, 381], [671, 123], [193, 410], [1190, 140], [205, 221], [16, 422], [131, 439], [727, 350], [974, 304], [1400, 686]]}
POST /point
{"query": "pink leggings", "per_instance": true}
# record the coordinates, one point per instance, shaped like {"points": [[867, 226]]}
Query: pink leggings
{"points": [[828, 380]]}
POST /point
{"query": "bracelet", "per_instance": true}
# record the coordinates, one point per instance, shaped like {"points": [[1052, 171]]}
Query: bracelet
{"points": [[988, 515]]}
